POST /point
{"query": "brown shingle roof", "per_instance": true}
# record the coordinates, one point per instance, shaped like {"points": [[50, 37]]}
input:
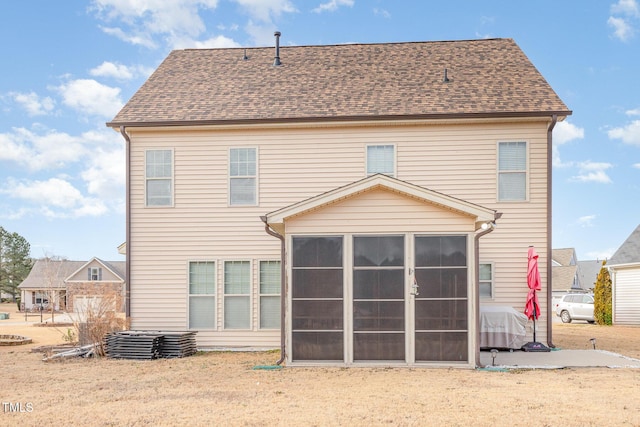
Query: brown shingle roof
{"points": [[352, 81]]}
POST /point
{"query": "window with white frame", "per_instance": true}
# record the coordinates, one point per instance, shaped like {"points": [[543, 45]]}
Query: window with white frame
{"points": [[94, 274], [381, 159], [243, 170], [486, 280], [512, 171], [202, 295], [270, 294], [237, 295], [159, 177]]}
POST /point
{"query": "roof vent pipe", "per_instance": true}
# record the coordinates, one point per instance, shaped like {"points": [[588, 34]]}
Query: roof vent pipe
{"points": [[277, 62], [445, 79]]}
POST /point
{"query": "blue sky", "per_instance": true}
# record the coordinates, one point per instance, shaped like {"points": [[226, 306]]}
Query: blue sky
{"points": [[69, 66]]}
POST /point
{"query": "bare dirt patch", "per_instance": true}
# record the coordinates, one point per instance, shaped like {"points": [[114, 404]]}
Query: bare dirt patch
{"points": [[223, 388]]}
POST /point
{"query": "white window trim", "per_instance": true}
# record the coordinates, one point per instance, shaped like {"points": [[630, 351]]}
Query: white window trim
{"points": [[216, 294], [257, 177], [173, 174], [493, 281], [260, 294], [527, 170], [395, 158], [250, 295]]}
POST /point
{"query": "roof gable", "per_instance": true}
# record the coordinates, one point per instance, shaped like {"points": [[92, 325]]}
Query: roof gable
{"points": [[564, 257], [47, 273], [481, 214], [629, 252], [80, 273], [339, 82]]}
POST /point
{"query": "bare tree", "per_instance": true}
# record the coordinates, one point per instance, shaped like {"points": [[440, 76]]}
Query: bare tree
{"points": [[54, 274]]}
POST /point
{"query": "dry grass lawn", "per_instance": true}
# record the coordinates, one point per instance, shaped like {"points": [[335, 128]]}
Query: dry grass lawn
{"points": [[223, 389]]}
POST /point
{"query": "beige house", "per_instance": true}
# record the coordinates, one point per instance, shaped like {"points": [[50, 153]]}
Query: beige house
{"points": [[73, 286], [339, 201]]}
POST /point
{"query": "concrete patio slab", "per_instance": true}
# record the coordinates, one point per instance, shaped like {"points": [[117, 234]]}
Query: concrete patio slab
{"points": [[558, 359]]}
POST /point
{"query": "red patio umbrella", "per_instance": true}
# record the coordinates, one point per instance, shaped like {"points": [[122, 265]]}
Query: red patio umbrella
{"points": [[532, 307]]}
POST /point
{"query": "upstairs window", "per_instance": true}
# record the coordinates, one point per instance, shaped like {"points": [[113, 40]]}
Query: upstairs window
{"points": [[243, 176], [512, 171], [159, 177], [381, 159], [94, 273]]}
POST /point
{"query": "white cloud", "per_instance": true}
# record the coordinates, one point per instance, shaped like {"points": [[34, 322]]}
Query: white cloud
{"points": [[136, 38], [53, 198], [90, 97], [626, 7], [629, 134], [266, 10], [621, 28], [593, 172], [33, 104], [213, 42], [143, 19], [381, 12], [100, 154], [636, 165], [112, 69], [627, 12], [586, 221], [104, 174], [332, 5], [564, 132], [634, 112], [50, 150]]}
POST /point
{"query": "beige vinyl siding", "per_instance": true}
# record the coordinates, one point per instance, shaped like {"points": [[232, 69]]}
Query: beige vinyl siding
{"points": [[380, 211], [459, 160]]}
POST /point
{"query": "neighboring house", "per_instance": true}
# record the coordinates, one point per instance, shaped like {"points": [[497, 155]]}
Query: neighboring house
{"points": [[73, 286], [588, 272], [624, 267], [566, 276], [353, 186]]}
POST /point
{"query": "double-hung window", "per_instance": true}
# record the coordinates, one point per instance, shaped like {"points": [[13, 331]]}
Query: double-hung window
{"points": [[159, 177], [270, 294], [512, 171], [486, 280], [381, 159], [237, 295], [243, 170], [94, 274], [202, 295]]}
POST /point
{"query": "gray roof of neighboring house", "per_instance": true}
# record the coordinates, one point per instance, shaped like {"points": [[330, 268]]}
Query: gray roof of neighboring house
{"points": [[564, 256], [488, 77], [588, 271], [562, 277], [47, 273], [629, 252]]}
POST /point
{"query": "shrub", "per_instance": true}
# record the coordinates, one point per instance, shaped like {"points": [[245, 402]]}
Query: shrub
{"points": [[602, 308]]}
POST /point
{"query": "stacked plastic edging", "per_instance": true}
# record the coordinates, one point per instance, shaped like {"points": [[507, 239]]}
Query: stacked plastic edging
{"points": [[146, 345]]}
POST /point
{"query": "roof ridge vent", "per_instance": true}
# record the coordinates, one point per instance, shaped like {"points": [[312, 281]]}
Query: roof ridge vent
{"points": [[276, 61]]}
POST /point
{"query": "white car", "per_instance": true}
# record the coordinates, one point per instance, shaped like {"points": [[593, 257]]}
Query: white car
{"points": [[575, 307]]}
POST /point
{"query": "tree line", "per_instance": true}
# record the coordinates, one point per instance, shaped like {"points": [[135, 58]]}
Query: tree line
{"points": [[15, 262]]}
